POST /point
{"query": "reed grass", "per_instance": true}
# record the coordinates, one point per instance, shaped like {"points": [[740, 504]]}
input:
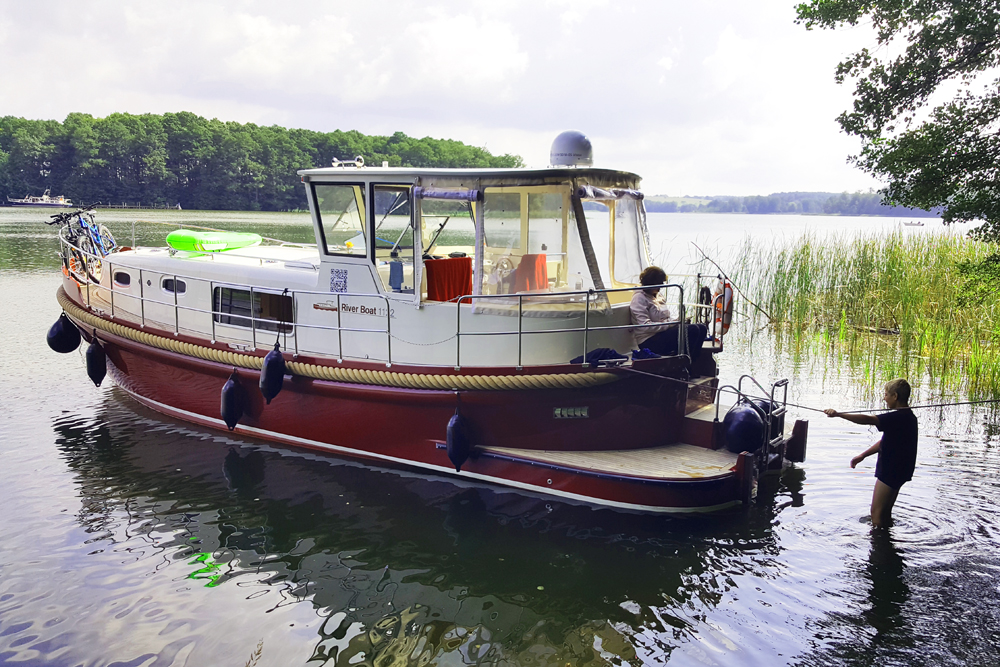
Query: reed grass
{"points": [[888, 302]]}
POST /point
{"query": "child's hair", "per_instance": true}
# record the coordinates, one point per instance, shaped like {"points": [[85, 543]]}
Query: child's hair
{"points": [[652, 275], [901, 388]]}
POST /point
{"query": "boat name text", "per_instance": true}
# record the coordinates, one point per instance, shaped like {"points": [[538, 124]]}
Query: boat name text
{"points": [[571, 413], [355, 309]]}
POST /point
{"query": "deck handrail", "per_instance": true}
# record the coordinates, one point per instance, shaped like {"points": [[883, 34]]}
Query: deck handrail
{"points": [[562, 296], [284, 328]]}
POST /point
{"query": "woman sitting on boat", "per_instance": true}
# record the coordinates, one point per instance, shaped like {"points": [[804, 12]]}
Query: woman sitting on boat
{"points": [[647, 309]]}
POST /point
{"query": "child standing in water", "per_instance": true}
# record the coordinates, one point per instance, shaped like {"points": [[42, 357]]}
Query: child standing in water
{"points": [[897, 450]]}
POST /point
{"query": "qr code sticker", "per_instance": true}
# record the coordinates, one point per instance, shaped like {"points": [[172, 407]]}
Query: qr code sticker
{"points": [[338, 280]]}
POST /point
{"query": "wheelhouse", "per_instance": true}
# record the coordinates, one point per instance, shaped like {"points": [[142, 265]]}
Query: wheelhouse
{"points": [[429, 236]]}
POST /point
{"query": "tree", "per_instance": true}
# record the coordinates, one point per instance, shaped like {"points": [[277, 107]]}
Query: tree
{"points": [[931, 153]]}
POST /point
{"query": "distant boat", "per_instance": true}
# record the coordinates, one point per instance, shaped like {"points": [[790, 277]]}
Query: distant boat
{"points": [[914, 223], [44, 201]]}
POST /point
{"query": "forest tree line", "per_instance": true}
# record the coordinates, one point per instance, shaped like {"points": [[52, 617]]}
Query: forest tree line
{"points": [[828, 203], [182, 158]]}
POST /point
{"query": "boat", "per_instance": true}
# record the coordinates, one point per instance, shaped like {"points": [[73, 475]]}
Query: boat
{"points": [[44, 201], [913, 223], [470, 324]]}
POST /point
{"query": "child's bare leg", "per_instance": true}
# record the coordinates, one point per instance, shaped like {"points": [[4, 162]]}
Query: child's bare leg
{"points": [[883, 498]]}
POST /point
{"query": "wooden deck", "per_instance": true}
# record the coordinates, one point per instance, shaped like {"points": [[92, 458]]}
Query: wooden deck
{"points": [[678, 461]]}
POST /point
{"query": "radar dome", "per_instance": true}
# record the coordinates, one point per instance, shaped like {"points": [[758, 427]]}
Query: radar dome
{"points": [[571, 149]]}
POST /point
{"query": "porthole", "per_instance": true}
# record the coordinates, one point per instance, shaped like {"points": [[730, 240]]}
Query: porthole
{"points": [[123, 278], [171, 286]]}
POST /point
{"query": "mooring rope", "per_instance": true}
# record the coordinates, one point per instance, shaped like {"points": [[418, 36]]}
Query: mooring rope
{"points": [[911, 407], [874, 410], [691, 383]]}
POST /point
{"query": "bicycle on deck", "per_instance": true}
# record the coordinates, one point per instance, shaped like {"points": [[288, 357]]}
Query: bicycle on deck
{"points": [[89, 241]]}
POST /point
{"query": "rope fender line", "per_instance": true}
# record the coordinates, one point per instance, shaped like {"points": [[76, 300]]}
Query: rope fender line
{"points": [[338, 374]]}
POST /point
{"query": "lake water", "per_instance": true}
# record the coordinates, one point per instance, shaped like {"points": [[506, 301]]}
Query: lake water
{"points": [[127, 538]]}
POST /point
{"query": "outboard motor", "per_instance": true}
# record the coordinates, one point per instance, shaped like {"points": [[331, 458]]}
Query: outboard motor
{"points": [[743, 428], [63, 336], [233, 401], [272, 373], [97, 361], [459, 442]]}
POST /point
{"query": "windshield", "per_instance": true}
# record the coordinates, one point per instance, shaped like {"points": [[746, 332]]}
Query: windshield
{"points": [[341, 211]]}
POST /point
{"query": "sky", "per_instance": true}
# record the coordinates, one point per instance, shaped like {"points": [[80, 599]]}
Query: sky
{"points": [[699, 98]]}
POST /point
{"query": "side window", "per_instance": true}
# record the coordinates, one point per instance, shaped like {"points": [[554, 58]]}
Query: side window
{"points": [[531, 242], [271, 312], [393, 212], [170, 287], [630, 248], [341, 209], [448, 230], [501, 239]]}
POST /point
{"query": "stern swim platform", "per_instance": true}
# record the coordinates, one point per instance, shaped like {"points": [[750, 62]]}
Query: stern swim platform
{"points": [[384, 343]]}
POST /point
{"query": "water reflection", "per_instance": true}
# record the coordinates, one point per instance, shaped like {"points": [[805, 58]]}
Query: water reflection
{"points": [[889, 592], [400, 565]]}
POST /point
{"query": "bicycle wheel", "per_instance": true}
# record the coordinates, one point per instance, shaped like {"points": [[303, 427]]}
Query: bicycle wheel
{"points": [[107, 239], [77, 264], [90, 260]]}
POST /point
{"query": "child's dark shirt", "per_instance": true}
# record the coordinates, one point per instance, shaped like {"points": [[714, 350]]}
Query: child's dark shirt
{"points": [[897, 456]]}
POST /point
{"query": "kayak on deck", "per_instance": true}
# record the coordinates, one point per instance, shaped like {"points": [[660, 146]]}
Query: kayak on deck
{"points": [[195, 241]]}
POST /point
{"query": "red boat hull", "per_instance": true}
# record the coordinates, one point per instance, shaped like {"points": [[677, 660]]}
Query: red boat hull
{"points": [[405, 427]]}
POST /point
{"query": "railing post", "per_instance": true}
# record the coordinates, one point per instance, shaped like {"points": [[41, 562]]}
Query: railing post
{"points": [[520, 301], [458, 335], [111, 269], [586, 328], [253, 321], [177, 317], [682, 331], [388, 332], [86, 275], [295, 326], [211, 295], [340, 334], [142, 302]]}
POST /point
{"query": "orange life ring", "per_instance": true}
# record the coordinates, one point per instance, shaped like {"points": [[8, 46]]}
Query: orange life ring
{"points": [[723, 306]]}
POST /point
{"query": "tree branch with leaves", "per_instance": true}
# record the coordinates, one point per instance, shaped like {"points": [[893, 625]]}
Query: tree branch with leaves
{"points": [[931, 152]]}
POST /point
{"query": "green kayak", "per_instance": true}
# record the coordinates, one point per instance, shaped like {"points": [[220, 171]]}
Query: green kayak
{"points": [[194, 241]]}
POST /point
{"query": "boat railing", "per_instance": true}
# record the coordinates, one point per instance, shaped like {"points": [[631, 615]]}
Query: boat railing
{"points": [[587, 295], [262, 326], [709, 311], [258, 325], [769, 405]]}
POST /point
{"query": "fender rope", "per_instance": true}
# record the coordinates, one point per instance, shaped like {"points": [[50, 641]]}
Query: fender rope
{"points": [[340, 374]]}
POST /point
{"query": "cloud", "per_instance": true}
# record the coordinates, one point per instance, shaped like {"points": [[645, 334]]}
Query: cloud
{"points": [[701, 97]]}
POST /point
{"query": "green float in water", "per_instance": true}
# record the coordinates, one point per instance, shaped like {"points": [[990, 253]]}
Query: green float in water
{"points": [[194, 241]]}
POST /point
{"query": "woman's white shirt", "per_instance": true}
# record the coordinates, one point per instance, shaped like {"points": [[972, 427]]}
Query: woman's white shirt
{"points": [[645, 309]]}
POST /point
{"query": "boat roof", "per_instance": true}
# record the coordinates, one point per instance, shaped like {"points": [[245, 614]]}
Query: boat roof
{"points": [[486, 177]]}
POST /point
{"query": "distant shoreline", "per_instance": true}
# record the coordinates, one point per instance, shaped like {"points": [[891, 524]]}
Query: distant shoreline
{"points": [[816, 203]]}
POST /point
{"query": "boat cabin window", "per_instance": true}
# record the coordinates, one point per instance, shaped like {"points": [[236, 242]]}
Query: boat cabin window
{"points": [[393, 213], [341, 212], [628, 260], [617, 224], [270, 312], [448, 239], [123, 278], [170, 286], [531, 243]]}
